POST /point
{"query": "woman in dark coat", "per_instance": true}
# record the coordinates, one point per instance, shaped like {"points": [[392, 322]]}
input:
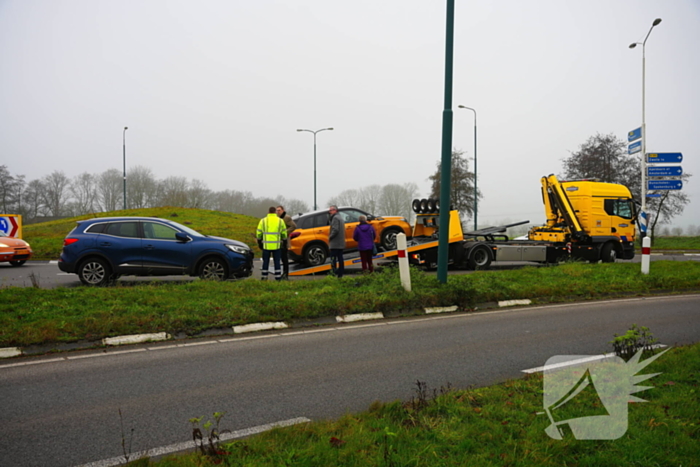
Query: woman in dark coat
{"points": [[364, 235]]}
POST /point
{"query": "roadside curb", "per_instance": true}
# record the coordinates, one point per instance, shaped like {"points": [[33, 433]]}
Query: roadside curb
{"points": [[10, 352]]}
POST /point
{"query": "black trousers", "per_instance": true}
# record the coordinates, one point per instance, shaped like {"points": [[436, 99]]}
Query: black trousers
{"points": [[285, 259]]}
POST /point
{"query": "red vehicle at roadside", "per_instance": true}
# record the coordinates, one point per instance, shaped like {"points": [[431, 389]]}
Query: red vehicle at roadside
{"points": [[14, 250]]}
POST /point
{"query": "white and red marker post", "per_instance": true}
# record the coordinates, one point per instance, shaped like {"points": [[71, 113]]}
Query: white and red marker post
{"points": [[404, 271], [646, 254]]}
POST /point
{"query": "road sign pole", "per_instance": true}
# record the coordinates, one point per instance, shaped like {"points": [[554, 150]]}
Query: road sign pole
{"points": [[446, 163]]}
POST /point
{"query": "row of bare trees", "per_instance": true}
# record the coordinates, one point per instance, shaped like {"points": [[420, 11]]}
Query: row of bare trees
{"points": [[387, 200], [57, 195]]}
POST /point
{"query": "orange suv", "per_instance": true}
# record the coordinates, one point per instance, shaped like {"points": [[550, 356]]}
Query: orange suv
{"points": [[309, 242]]}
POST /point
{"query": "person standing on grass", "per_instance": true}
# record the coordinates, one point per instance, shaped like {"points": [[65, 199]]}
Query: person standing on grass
{"points": [[290, 227], [364, 235], [336, 241], [270, 234]]}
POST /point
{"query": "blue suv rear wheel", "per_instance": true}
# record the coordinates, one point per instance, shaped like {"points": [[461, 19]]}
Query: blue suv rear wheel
{"points": [[94, 271]]}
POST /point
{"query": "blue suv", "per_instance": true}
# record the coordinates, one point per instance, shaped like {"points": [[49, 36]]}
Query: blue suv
{"points": [[100, 250]]}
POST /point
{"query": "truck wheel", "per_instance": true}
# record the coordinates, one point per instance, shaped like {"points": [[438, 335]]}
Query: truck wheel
{"points": [[416, 206], [480, 258], [424, 206], [608, 253], [213, 269], [315, 254], [432, 206], [389, 239], [94, 272]]}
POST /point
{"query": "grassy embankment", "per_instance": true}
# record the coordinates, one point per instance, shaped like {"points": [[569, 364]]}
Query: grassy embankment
{"points": [[36, 316], [501, 425]]}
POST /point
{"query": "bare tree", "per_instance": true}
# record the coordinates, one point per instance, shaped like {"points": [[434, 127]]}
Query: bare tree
{"points": [[231, 201], [55, 195], [461, 184], [173, 192], [7, 183], [670, 204], [369, 198], [84, 190], [351, 197], [396, 200], [198, 195], [142, 191], [33, 200], [109, 190], [11, 189]]}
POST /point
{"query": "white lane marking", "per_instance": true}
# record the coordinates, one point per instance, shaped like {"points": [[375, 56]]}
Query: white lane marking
{"points": [[177, 447], [591, 358]]}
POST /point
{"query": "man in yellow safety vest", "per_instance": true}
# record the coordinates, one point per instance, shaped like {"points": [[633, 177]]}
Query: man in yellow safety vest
{"points": [[271, 232]]}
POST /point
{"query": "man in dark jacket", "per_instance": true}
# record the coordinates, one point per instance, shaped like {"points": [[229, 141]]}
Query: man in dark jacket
{"points": [[336, 241], [291, 227], [365, 235]]}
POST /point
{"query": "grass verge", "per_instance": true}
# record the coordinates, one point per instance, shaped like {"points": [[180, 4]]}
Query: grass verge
{"points": [[39, 316], [491, 426]]}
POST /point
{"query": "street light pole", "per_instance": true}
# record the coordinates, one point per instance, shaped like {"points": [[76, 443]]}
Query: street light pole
{"points": [[124, 146], [644, 127], [476, 200], [314, 133]]}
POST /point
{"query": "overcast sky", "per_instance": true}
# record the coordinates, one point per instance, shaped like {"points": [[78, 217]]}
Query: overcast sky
{"points": [[215, 89]]}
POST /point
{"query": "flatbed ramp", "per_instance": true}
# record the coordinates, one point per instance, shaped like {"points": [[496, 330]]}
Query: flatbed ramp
{"points": [[352, 259]]}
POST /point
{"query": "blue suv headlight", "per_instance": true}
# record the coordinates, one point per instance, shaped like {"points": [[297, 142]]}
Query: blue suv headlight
{"points": [[241, 250]]}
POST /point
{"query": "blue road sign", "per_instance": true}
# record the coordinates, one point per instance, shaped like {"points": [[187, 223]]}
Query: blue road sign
{"points": [[654, 195], [664, 171], [664, 158], [664, 184], [634, 135], [634, 147]]}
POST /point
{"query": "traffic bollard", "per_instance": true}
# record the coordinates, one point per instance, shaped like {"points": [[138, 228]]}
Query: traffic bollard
{"points": [[646, 254], [404, 271]]}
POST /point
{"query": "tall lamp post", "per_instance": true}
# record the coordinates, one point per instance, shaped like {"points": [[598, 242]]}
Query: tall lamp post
{"points": [[476, 200], [124, 146], [314, 132], [644, 128]]}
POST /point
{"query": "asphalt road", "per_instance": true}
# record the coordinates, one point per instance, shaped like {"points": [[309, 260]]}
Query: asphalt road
{"points": [[63, 410], [46, 274]]}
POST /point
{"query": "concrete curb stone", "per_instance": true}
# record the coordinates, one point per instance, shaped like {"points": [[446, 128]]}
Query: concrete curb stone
{"points": [[11, 352]]}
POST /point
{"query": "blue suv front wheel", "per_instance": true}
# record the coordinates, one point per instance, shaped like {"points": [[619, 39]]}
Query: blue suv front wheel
{"points": [[213, 269]]}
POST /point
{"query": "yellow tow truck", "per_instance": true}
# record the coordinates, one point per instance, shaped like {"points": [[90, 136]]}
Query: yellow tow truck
{"points": [[586, 219]]}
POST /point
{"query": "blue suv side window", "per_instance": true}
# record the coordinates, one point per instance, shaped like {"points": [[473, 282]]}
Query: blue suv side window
{"points": [[123, 229]]}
